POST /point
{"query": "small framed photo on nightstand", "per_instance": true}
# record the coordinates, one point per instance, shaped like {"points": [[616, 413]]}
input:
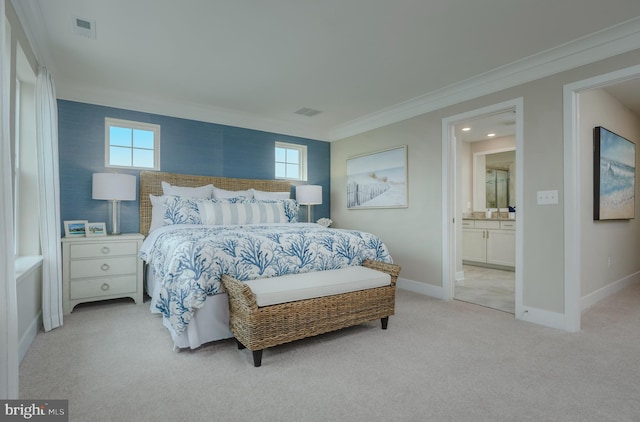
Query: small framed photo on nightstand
{"points": [[95, 229], [75, 228]]}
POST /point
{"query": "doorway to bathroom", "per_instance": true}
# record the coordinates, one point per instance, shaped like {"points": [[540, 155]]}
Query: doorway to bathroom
{"points": [[482, 173]]}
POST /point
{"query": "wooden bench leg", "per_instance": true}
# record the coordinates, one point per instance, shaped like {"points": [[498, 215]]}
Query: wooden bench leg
{"points": [[257, 354], [384, 322], [257, 358]]}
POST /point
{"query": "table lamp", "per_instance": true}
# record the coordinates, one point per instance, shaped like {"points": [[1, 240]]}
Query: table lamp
{"points": [[114, 188], [309, 195]]}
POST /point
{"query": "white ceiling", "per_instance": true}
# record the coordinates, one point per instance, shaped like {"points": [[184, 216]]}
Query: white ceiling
{"points": [[254, 63]]}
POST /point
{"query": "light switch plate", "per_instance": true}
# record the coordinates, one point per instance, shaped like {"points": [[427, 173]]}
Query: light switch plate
{"points": [[547, 197]]}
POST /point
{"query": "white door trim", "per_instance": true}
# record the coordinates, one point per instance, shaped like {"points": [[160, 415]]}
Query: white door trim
{"points": [[450, 212], [572, 221]]}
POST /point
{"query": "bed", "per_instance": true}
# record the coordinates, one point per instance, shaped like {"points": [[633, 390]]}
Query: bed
{"points": [[203, 238]]}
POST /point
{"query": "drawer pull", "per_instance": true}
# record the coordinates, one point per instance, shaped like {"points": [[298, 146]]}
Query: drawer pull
{"points": [[105, 267], [105, 250], [104, 287]]}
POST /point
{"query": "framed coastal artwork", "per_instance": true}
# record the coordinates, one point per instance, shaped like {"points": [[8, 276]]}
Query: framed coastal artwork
{"points": [[75, 228], [614, 171], [95, 229], [378, 179]]}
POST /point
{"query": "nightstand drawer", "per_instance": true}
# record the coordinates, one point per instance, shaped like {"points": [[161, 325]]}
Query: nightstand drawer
{"points": [[103, 267], [82, 289], [94, 250]]}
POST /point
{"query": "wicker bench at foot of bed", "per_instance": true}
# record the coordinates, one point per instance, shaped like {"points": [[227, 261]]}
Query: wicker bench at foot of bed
{"points": [[257, 328]]}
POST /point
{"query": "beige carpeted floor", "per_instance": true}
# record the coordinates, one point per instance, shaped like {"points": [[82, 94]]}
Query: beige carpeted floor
{"points": [[438, 361]]}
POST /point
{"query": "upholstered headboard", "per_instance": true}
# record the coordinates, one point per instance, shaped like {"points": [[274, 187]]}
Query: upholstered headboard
{"points": [[151, 184]]}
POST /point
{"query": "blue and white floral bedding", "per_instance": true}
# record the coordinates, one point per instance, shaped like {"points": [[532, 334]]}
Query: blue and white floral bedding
{"points": [[190, 259]]}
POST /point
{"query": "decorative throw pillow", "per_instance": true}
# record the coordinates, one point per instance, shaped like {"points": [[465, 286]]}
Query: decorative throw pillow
{"points": [[217, 212], [227, 194], [179, 210], [157, 212], [261, 195], [187, 192], [291, 207]]}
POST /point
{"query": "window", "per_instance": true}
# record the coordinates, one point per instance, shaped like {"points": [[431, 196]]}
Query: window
{"points": [[291, 161], [132, 144], [26, 219]]}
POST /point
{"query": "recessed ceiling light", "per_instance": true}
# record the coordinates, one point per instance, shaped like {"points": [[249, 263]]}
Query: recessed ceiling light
{"points": [[491, 135], [466, 129]]}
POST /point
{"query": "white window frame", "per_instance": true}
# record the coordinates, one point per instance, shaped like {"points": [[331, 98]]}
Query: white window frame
{"points": [[16, 173], [302, 149], [129, 124]]}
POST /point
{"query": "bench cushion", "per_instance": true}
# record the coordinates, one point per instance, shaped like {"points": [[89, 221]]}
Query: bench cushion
{"points": [[292, 287]]}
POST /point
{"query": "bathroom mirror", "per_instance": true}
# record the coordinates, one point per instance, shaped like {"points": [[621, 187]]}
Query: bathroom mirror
{"points": [[494, 179]]}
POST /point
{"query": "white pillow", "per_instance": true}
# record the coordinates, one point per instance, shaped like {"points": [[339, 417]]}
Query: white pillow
{"points": [[225, 213], [262, 195], [157, 212], [187, 192], [226, 194]]}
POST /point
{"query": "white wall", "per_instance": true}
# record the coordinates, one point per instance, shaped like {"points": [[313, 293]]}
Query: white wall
{"points": [[414, 234], [29, 294], [613, 252]]}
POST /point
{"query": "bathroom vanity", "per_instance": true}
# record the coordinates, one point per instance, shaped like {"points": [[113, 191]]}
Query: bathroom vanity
{"points": [[489, 242]]}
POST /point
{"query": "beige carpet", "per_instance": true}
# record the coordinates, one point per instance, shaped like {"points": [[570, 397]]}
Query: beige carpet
{"points": [[438, 361]]}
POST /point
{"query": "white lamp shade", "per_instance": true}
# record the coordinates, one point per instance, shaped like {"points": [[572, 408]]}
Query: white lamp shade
{"points": [[114, 186], [309, 194]]}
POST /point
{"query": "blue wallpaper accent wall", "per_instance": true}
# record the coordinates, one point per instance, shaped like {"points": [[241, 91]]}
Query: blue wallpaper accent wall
{"points": [[187, 146]]}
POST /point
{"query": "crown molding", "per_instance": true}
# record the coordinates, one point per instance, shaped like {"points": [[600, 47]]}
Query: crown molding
{"points": [[600, 45]]}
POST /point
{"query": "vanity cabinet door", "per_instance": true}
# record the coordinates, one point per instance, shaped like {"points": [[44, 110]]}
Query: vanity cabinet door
{"points": [[501, 247], [474, 245]]}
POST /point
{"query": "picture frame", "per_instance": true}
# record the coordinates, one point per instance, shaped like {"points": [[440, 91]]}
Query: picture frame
{"points": [[95, 229], [614, 175], [378, 179], [75, 228]]}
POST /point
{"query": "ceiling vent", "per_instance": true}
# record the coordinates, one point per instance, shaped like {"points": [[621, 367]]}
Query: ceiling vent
{"points": [[309, 112], [84, 27]]}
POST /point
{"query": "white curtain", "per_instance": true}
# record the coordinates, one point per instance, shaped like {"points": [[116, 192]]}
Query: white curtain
{"points": [[49, 192], [8, 306]]}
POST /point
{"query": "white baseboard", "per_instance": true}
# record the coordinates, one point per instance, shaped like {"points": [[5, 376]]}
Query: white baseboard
{"points": [[542, 317], [29, 335], [529, 314], [592, 298], [421, 288]]}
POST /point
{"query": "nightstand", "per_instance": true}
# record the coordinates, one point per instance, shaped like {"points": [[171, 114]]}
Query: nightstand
{"points": [[99, 268]]}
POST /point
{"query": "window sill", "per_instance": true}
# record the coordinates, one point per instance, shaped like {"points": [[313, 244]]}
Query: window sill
{"points": [[25, 265]]}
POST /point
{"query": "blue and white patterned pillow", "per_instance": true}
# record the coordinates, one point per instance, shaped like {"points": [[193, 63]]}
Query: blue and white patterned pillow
{"points": [[180, 210]]}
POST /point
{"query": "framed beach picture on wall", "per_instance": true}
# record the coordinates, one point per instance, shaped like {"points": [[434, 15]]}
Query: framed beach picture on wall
{"points": [[378, 179], [614, 171]]}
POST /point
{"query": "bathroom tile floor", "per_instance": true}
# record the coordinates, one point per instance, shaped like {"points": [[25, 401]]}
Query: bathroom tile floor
{"points": [[487, 287]]}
